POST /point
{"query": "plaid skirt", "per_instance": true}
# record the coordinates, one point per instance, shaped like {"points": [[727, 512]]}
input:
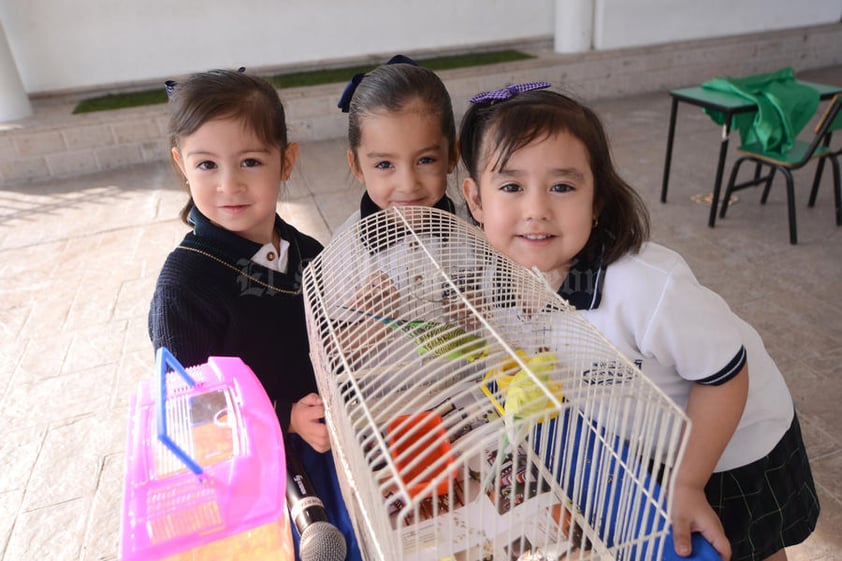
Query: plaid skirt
{"points": [[768, 504]]}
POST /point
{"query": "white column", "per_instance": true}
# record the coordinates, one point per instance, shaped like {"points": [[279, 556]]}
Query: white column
{"points": [[14, 103], [573, 26]]}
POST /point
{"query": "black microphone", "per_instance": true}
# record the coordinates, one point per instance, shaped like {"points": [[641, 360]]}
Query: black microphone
{"points": [[320, 540]]}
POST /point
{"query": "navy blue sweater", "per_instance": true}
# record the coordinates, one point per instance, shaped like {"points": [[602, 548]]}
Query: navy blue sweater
{"points": [[212, 300]]}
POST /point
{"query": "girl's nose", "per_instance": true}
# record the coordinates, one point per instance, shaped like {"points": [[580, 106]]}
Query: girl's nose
{"points": [[536, 206], [231, 181], [409, 179]]}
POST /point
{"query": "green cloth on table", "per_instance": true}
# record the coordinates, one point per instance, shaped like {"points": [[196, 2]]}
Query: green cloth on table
{"points": [[784, 107]]}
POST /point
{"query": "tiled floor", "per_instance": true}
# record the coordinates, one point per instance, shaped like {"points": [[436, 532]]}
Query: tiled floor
{"points": [[79, 258]]}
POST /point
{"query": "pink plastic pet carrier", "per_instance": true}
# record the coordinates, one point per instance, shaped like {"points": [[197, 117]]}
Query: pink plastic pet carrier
{"points": [[205, 467]]}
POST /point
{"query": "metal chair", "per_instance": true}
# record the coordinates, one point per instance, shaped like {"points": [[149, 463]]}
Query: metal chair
{"points": [[794, 158]]}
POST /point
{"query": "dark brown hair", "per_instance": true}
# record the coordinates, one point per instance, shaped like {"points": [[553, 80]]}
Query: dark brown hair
{"points": [[499, 129], [226, 94], [392, 87]]}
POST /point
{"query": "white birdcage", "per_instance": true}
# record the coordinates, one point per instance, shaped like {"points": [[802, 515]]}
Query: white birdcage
{"points": [[475, 415]]}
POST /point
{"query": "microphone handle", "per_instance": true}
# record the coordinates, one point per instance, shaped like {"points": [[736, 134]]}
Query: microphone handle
{"points": [[305, 506]]}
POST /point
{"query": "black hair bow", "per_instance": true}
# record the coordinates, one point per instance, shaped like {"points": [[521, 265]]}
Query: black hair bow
{"points": [[345, 99]]}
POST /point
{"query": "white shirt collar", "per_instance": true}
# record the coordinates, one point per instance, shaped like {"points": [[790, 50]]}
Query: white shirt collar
{"points": [[272, 259]]}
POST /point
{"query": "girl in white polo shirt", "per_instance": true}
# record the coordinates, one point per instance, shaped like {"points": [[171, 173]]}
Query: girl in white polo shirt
{"points": [[542, 185]]}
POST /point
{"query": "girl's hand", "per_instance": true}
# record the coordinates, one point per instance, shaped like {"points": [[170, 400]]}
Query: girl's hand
{"points": [[306, 420], [377, 295], [691, 512]]}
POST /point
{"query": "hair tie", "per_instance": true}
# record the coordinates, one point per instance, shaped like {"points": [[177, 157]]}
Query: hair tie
{"points": [[345, 99], [508, 92], [169, 86], [401, 59]]}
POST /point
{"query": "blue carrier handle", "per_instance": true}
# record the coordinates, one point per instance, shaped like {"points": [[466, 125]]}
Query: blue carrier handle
{"points": [[163, 359]]}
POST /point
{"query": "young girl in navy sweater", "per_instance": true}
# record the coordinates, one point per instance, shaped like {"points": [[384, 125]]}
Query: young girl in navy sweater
{"points": [[233, 285]]}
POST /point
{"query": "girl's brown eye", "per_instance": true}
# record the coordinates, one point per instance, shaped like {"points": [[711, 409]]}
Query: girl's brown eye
{"points": [[561, 188]]}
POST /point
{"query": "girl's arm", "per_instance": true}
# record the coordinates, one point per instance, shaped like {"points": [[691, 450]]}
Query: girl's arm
{"points": [[714, 412], [189, 326]]}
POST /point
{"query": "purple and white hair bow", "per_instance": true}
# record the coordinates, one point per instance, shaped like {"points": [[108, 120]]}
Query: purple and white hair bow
{"points": [[508, 91]]}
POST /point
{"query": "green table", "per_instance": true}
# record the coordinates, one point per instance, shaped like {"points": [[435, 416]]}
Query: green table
{"points": [[729, 105]]}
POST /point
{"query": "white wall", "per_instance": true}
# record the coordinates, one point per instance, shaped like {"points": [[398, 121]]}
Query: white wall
{"points": [[76, 44], [66, 44], [626, 23]]}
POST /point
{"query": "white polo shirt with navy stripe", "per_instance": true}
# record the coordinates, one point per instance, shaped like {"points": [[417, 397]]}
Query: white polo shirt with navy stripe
{"points": [[652, 308]]}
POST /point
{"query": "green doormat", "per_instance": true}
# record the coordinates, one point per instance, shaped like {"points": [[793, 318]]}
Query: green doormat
{"points": [[299, 79]]}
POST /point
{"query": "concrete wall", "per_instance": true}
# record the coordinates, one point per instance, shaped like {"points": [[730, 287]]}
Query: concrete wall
{"points": [[61, 45]]}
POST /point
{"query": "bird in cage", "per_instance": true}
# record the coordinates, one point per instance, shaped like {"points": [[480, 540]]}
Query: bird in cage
{"points": [[521, 395], [440, 339]]}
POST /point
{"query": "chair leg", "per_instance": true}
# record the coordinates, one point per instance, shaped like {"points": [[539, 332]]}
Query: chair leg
{"points": [[732, 179], [819, 168], [790, 203], [816, 180], [768, 185], [758, 167], [837, 189]]}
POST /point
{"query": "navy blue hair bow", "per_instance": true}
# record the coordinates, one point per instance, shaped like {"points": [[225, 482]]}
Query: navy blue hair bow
{"points": [[508, 91], [170, 85], [345, 99]]}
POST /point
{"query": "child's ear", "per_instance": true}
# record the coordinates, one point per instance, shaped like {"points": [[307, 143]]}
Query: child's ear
{"points": [[176, 157], [352, 163], [289, 157], [470, 190]]}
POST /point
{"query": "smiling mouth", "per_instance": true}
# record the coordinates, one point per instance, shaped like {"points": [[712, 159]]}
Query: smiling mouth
{"points": [[536, 237], [233, 208]]}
